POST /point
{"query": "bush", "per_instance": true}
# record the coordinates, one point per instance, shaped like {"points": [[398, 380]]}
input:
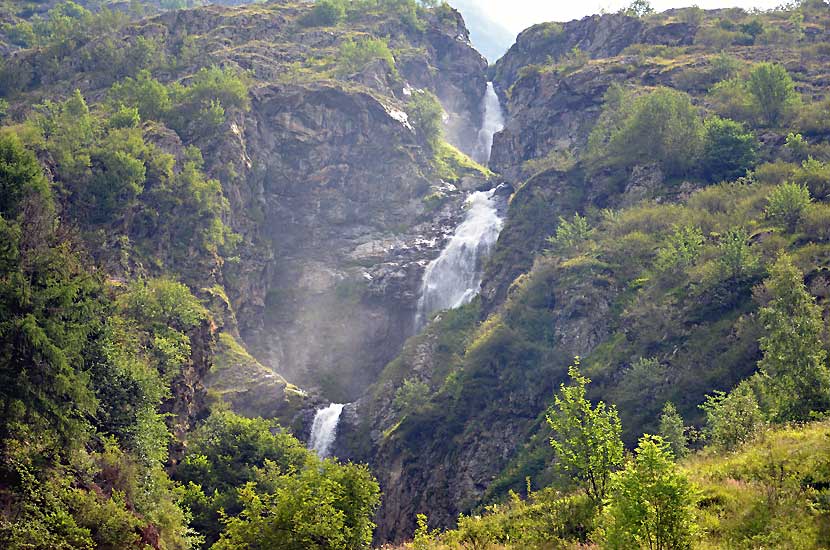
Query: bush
{"points": [[728, 151], [787, 203], [427, 117], [815, 176], [325, 13], [661, 126], [773, 91], [732, 99], [652, 503], [815, 224], [732, 419], [354, 55]]}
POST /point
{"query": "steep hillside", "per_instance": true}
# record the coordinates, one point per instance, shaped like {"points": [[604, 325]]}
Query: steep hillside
{"points": [[326, 178], [225, 202], [612, 285]]}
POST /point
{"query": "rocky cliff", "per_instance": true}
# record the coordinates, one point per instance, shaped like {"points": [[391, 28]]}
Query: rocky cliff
{"points": [[488, 372]]}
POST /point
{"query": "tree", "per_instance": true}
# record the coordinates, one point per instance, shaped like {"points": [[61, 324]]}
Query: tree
{"points": [[773, 91], [733, 418], [673, 431], [586, 439], [570, 234], [20, 174], [638, 8], [325, 506], [651, 504], [223, 456], [426, 114], [681, 249], [325, 13], [728, 150], [794, 361], [662, 126], [787, 203]]}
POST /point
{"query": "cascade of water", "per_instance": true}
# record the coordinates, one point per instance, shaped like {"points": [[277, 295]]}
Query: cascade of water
{"points": [[324, 429], [454, 277], [493, 124]]}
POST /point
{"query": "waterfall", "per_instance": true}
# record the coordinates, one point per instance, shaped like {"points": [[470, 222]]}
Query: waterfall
{"points": [[493, 123], [324, 429], [454, 277]]}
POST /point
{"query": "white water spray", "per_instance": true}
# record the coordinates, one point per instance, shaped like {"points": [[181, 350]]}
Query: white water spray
{"points": [[493, 124], [454, 277], [324, 429]]}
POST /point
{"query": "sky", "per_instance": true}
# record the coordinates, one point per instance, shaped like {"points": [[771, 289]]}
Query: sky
{"points": [[517, 15], [494, 24]]}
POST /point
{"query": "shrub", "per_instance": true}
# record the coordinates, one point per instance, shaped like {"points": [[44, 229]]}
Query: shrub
{"points": [[774, 172], [586, 439], [427, 117], [786, 204], [773, 91], [795, 361], [728, 151], [354, 55], [815, 224], [325, 13], [815, 176], [673, 431], [638, 8], [570, 234], [717, 38], [652, 503], [661, 126], [681, 249], [144, 92], [814, 118], [732, 419], [692, 16], [732, 99]]}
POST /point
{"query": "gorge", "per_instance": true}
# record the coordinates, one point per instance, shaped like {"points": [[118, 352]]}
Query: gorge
{"points": [[316, 275]]}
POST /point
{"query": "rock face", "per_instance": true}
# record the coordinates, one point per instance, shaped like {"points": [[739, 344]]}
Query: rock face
{"points": [[489, 395], [340, 187], [330, 198]]}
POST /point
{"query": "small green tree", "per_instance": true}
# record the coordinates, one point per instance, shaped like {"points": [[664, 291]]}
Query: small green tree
{"points": [[682, 247], [652, 504], [662, 126], [736, 259], [354, 55], [787, 203], [728, 151], [773, 91], [586, 439], [426, 114], [570, 234], [673, 431], [20, 174], [638, 8], [815, 175], [733, 418], [795, 361], [325, 13]]}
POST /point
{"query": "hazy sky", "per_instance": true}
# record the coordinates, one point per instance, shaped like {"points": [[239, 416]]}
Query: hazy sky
{"points": [[517, 15]]}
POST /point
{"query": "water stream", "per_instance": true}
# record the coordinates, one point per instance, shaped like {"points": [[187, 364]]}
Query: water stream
{"points": [[493, 124], [454, 277], [324, 429]]}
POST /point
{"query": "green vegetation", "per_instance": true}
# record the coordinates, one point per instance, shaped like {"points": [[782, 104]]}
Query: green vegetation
{"points": [[661, 126], [355, 55], [729, 151], [652, 503], [586, 439]]}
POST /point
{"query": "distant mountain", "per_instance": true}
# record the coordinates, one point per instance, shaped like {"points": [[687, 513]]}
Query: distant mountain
{"points": [[489, 37]]}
